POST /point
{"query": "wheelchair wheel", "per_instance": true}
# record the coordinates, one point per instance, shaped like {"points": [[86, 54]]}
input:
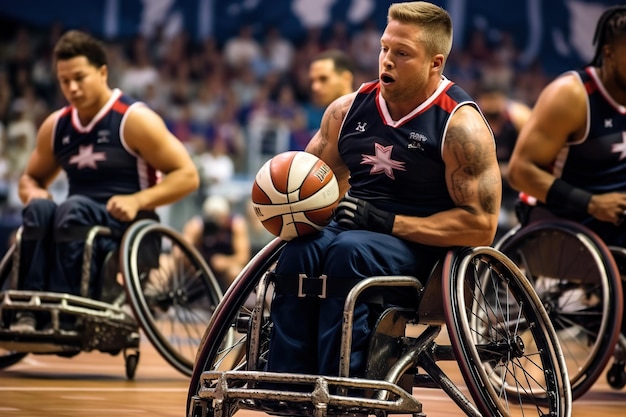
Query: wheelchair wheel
{"points": [[172, 291], [576, 278], [8, 357], [225, 343], [502, 337]]}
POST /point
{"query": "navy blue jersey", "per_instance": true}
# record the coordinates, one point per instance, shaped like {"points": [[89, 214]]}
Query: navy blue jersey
{"points": [[597, 162], [96, 159], [398, 165]]}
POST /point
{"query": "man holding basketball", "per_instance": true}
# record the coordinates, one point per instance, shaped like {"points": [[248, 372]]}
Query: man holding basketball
{"points": [[418, 162]]}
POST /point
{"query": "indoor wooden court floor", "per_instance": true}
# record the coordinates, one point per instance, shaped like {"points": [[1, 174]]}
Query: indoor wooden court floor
{"points": [[94, 385]]}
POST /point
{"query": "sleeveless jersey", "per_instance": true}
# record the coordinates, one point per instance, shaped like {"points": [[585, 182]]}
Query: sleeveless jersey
{"points": [[597, 162], [398, 165], [96, 159]]}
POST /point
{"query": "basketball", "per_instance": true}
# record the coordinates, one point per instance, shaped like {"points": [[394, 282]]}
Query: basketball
{"points": [[294, 194]]}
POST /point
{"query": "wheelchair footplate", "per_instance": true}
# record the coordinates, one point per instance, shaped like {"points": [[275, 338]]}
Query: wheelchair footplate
{"points": [[223, 393], [66, 324]]}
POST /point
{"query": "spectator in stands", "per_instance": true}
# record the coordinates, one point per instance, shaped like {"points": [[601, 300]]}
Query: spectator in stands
{"points": [[221, 236], [241, 50]]}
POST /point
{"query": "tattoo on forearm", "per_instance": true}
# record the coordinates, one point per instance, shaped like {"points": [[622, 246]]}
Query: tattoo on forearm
{"points": [[470, 176]]}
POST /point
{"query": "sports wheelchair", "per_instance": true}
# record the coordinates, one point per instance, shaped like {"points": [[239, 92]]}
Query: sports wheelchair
{"points": [[155, 281], [579, 281], [499, 334]]}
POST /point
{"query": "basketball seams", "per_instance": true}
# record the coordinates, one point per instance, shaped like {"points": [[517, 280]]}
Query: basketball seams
{"points": [[294, 194]]}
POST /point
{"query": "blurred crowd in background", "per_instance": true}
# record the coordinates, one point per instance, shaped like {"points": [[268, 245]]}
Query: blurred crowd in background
{"points": [[233, 105]]}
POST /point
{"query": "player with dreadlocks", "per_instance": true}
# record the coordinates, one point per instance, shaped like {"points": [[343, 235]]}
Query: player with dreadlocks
{"points": [[571, 153]]}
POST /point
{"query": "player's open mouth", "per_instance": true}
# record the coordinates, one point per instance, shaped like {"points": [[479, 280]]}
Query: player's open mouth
{"points": [[386, 79]]}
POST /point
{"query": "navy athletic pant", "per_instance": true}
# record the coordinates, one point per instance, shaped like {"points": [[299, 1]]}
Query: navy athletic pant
{"points": [[53, 238], [306, 335]]}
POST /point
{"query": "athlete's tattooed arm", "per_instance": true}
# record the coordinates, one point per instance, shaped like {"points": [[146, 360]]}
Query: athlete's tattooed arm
{"points": [[471, 180], [474, 185], [325, 142]]}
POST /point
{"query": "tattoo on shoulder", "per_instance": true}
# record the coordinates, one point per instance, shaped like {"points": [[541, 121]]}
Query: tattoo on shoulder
{"points": [[336, 114], [470, 177]]}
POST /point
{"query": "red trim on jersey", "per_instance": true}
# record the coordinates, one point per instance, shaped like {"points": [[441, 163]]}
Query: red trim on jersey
{"points": [[527, 199], [591, 87], [65, 111], [369, 87], [119, 107], [445, 101]]}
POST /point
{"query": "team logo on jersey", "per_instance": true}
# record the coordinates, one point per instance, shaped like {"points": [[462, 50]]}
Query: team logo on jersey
{"points": [[620, 147], [103, 136], [608, 123], [415, 141], [381, 161], [87, 158], [360, 126], [65, 140]]}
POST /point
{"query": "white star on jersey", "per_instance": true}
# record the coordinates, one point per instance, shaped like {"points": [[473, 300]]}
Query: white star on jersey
{"points": [[620, 147], [87, 158], [382, 161]]}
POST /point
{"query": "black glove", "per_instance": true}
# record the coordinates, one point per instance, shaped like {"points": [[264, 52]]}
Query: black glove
{"points": [[354, 213]]}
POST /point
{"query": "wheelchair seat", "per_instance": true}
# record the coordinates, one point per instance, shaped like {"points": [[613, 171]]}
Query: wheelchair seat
{"points": [[499, 333], [154, 281]]}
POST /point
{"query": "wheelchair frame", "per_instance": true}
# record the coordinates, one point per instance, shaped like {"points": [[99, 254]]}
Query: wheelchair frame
{"points": [[601, 278], [220, 389], [109, 327]]}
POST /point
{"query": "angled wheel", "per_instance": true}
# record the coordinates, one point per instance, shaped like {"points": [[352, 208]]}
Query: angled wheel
{"points": [[225, 343], [502, 337], [578, 282], [172, 291], [8, 357]]}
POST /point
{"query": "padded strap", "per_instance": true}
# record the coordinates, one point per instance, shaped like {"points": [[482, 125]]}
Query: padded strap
{"points": [[75, 233], [303, 286], [33, 233]]}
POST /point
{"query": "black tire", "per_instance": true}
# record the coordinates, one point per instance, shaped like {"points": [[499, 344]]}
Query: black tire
{"points": [[577, 280], [131, 361], [502, 337], [172, 291], [8, 357], [225, 342]]}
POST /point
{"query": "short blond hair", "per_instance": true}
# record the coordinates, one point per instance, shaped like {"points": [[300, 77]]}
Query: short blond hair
{"points": [[436, 22]]}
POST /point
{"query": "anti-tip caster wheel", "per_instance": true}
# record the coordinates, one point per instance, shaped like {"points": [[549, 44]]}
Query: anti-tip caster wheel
{"points": [[131, 359], [616, 376]]}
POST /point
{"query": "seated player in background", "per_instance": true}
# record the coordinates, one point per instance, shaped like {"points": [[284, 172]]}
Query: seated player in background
{"points": [[112, 149]]}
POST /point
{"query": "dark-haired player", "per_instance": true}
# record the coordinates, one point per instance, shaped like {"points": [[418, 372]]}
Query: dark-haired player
{"points": [[112, 149], [571, 154], [332, 75]]}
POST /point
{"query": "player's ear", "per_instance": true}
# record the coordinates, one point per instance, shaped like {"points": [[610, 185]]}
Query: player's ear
{"points": [[104, 71], [437, 62]]}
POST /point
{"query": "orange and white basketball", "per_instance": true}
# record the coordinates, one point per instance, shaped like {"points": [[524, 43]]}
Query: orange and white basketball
{"points": [[294, 194]]}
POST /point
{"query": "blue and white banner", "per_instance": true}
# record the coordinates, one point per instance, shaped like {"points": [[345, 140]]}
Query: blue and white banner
{"points": [[558, 32]]}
